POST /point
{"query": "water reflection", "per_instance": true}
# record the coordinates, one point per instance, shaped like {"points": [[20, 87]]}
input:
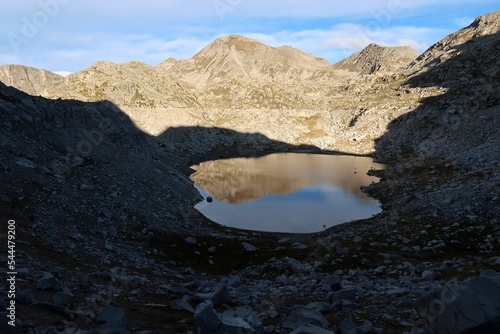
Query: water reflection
{"points": [[286, 192]]}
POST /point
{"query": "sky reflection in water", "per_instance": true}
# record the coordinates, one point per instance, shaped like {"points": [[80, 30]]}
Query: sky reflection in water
{"points": [[286, 192]]}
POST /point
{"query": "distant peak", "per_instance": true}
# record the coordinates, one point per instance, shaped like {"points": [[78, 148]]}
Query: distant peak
{"points": [[230, 39]]}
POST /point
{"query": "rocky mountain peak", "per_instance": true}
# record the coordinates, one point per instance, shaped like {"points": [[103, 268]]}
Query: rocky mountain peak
{"points": [[376, 58], [487, 24], [167, 64], [237, 58], [474, 42]]}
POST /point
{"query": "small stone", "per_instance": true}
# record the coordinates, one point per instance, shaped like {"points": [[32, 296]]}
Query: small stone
{"points": [[107, 213], [191, 240], [48, 283], [212, 249], [296, 266], [429, 275], [108, 245], [344, 294], [249, 248]]}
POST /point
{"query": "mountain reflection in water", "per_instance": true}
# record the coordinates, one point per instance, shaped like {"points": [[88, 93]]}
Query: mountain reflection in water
{"points": [[286, 192]]}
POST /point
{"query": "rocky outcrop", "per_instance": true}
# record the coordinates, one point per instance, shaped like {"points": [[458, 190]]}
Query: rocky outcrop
{"points": [[469, 307], [376, 59]]}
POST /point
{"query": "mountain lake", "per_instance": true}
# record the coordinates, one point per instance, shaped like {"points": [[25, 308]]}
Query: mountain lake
{"points": [[286, 192]]}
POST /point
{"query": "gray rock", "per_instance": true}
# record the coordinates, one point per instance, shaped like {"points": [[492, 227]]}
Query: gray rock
{"points": [[191, 240], [304, 316], [209, 322], [48, 283], [331, 281], [221, 296], [206, 317], [429, 275], [249, 248], [181, 305], [112, 316], [311, 329], [25, 297], [296, 266], [349, 327], [246, 313], [61, 299], [472, 307], [344, 294]]}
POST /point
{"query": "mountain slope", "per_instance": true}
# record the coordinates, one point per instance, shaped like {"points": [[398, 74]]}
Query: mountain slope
{"points": [[132, 84], [376, 59], [243, 59], [28, 79], [461, 123], [473, 41]]}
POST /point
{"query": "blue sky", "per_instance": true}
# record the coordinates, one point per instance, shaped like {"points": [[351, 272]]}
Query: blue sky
{"points": [[70, 35]]}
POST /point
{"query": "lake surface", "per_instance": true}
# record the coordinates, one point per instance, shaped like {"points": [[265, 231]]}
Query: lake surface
{"points": [[286, 192]]}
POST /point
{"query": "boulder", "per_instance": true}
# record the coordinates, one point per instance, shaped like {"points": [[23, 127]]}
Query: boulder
{"points": [[471, 307], [311, 329], [210, 322], [304, 316]]}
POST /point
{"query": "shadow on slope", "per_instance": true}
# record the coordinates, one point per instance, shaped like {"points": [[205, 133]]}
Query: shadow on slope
{"points": [[66, 163], [445, 152], [464, 120]]}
